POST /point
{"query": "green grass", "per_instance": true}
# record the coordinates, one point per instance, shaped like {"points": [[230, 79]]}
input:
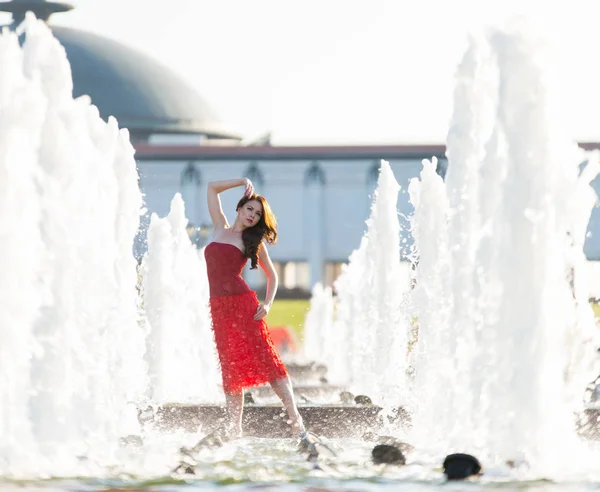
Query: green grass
{"points": [[289, 312], [292, 312]]}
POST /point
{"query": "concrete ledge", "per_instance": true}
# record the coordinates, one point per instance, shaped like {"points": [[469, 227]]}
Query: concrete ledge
{"points": [[307, 390], [306, 372], [270, 421]]}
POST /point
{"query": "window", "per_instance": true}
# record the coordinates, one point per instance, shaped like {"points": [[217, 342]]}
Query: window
{"points": [[278, 269], [292, 274], [333, 269], [295, 275]]}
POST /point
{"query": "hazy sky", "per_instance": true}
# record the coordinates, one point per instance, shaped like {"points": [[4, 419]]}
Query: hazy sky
{"points": [[329, 71]]}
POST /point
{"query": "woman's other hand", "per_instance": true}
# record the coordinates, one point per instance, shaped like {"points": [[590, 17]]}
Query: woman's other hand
{"points": [[261, 311], [249, 187]]}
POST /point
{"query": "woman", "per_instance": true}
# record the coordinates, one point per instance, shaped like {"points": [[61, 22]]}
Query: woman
{"points": [[246, 351]]}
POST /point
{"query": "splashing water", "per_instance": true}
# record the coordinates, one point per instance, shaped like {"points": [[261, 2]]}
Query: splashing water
{"points": [[72, 351], [319, 338], [501, 302], [182, 362], [505, 329], [371, 294]]}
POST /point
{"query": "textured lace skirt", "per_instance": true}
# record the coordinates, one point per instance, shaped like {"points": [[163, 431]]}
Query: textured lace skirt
{"points": [[246, 352]]}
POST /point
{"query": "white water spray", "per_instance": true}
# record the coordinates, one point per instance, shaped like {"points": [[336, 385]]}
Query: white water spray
{"points": [[181, 354], [371, 292], [503, 363], [72, 351], [319, 337]]}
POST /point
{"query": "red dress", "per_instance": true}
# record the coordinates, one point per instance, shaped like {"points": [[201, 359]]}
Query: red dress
{"points": [[246, 352]]}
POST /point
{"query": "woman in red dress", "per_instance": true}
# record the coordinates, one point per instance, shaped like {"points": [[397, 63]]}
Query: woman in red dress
{"points": [[246, 352]]}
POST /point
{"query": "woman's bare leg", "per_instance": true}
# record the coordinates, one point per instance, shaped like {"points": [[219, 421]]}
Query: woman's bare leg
{"points": [[283, 389], [235, 409]]}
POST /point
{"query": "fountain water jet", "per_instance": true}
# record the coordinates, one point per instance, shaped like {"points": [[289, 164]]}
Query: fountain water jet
{"points": [[503, 364], [371, 293], [319, 337], [181, 356], [72, 351]]}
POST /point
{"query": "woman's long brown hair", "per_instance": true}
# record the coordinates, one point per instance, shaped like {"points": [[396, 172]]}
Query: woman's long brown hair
{"points": [[265, 229]]}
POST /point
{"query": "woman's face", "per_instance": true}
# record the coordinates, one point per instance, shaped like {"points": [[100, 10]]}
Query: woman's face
{"points": [[250, 213]]}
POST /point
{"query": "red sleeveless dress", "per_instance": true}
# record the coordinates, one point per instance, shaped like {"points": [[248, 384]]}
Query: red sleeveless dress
{"points": [[246, 352]]}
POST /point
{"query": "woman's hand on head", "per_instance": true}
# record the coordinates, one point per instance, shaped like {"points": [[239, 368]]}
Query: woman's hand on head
{"points": [[248, 187], [261, 311]]}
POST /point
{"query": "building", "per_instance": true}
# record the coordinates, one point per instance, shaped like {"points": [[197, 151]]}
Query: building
{"points": [[321, 195], [143, 95]]}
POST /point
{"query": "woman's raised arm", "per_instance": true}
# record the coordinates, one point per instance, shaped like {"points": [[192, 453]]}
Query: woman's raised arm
{"points": [[214, 202]]}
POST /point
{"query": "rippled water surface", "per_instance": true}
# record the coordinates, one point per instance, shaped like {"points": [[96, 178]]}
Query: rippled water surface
{"points": [[270, 464]]}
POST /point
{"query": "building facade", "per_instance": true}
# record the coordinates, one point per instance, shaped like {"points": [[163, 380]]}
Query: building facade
{"points": [[321, 196]]}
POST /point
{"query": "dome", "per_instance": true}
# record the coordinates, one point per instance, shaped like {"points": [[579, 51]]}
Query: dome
{"points": [[144, 96]]}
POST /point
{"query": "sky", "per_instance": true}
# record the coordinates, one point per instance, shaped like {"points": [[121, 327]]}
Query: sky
{"points": [[343, 71]]}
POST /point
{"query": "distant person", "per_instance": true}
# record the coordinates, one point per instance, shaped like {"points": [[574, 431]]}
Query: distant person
{"points": [[283, 339], [246, 351]]}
